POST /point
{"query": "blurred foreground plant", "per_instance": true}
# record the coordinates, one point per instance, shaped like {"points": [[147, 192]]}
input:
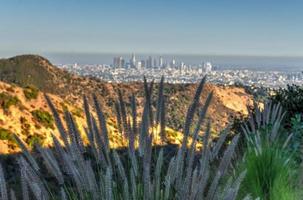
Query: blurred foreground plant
{"points": [[141, 171]]}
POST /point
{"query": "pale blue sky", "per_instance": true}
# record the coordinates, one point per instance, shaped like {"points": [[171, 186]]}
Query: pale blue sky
{"points": [[225, 27]]}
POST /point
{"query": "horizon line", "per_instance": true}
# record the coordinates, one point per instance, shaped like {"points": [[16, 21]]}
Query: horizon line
{"points": [[13, 54]]}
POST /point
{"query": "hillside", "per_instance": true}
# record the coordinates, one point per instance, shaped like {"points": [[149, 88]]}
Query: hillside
{"points": [[31, 71], [25, 112]]}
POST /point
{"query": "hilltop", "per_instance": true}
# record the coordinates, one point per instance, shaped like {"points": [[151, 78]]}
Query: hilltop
{"points": [[34, 70]]}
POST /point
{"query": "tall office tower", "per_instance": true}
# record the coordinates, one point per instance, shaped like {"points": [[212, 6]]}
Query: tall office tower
{"points": [[115, 62], [118, 62], [139, 65], [121, 62], [133, 61], [149, 62], [182, 65], [160, 62], [155, 63], [207, 67], [143, 64], [173, 62]]}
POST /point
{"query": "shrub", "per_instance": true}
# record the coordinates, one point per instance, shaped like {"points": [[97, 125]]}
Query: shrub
{"points": [[297, 137], [34, 140], [269, 163], [5, 134], [31, 92], [269, 172], [77, 112], [291, 99], [44, 118], [25, 126], [7, 100], [63, 106]]}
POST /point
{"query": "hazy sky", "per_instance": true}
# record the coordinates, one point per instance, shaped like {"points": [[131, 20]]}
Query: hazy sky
{"points": [[248, 27]]}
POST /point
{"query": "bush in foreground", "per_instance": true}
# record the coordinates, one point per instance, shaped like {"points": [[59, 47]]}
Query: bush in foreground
{"points": [[271, 170]]}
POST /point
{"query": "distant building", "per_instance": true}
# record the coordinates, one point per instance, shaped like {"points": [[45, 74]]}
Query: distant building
{"points": [[143, 64], [118, 62], [207, 67], [160, 62], [173, 63], [115, 62], [149, 62], [75, 66], [181, 67], [133, 61], [139, 65], [155, 63]]}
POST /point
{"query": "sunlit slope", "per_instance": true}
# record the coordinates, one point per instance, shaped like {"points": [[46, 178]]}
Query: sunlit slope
{"points": [[31, 119]]}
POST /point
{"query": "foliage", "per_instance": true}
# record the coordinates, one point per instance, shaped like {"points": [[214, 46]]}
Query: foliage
{"points": [[31, 92], [63, 106], [291, 99], [5, 134], [44, 117], [78, 112], [268, 161], [34, 140], [269, 172], [138, 172], [297, 137], [7, 100], [25, 126]]}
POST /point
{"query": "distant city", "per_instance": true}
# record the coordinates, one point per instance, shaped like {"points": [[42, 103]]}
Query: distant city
{"points": [[131, 69]]}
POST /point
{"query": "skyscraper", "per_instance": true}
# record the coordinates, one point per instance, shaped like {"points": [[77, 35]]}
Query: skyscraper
{"points": [[118, 62], [155, 63], [115, 62], [160, 62], [143, 65], [207, 67], [133, 61], [173, 63], [149, 62]]}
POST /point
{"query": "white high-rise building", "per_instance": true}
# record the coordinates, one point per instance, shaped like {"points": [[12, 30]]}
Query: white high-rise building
{"points": [[173, 62], [207, 67], [160, 62], [139, 65]]}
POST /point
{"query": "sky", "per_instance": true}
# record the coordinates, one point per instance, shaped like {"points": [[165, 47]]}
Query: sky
{"points": [[225, 27]]}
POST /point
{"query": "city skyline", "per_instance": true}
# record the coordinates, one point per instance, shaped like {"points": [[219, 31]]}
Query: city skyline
{"points": [[132, 69], [271, 28]]}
